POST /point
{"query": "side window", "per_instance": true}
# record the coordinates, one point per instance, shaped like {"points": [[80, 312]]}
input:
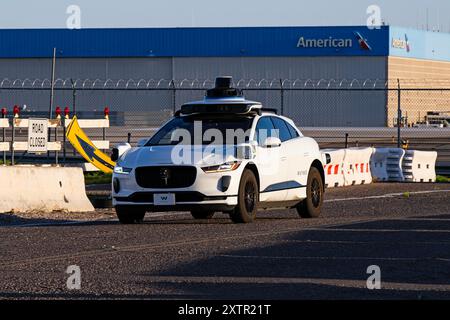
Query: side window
{"points": [[294, 133], [264, 128], [283, 130]]}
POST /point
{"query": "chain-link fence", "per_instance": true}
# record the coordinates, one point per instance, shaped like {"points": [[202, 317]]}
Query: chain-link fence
{"points": [[335, 112]]}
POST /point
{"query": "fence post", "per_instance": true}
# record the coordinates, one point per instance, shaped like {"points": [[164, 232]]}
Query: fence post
{"points": [[399, 114], [64, 138], [56, 140], [49, 139], [13, 136], [74, 94], [52, 85], [4, 136], [282, 97], [174, 93]]}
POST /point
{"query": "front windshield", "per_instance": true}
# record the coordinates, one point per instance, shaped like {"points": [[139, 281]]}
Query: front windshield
{"points": [[204, 130]]}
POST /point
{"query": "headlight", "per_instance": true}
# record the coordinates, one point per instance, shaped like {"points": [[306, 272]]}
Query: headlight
{"points": [[227, 166], [122, 170]]}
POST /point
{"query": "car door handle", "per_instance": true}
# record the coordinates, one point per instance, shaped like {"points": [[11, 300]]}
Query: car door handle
{"points": [[283, 158]]}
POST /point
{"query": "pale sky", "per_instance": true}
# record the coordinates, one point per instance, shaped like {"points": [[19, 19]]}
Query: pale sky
{"points": [[201, 13]]}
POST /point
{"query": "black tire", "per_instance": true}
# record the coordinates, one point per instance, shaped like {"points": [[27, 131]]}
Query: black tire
{"points": [[248, 198], [198, 214], [130, 215], [312, 205]]}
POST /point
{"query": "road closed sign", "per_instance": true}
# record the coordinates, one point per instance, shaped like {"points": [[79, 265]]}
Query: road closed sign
{"points": [[37, 135]]}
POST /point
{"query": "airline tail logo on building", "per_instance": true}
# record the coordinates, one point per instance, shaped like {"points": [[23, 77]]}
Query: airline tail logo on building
{"points": [[403, 44], [363, 43], [408, 47]]}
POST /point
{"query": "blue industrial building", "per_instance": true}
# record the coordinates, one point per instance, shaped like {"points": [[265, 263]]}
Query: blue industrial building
{"points": [[222, 42], [314, 53]]}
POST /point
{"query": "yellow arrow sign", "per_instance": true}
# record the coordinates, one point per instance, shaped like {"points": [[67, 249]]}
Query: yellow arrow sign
{"points": [[87, 149]]}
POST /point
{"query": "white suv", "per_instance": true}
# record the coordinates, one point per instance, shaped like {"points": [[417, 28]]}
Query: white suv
{"points": [[221, 154]]}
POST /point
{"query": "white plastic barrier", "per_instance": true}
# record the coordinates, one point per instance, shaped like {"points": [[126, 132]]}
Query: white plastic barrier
{"points": [[334, 176], [386, 164], [419, 166], [23, 146], [42, 189], [4, 123], [356, 166]]}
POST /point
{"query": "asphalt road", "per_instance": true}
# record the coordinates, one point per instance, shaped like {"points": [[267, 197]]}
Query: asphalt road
{"points": [[402, 228]]}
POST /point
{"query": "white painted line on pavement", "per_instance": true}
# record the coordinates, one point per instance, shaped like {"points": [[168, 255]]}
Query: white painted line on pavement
{"points": [[388, 195]]}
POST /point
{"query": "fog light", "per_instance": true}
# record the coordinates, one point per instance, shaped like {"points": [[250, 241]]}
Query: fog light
{"points": [[116, 185], [225, 183]]}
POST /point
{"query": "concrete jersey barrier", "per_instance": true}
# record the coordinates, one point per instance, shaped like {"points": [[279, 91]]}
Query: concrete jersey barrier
{"points": [[42, 189]]}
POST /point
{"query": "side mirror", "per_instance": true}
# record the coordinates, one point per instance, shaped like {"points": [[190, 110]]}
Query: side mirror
{"points": [[246, 150], [271, 142], [119, 150], [141, 142]]}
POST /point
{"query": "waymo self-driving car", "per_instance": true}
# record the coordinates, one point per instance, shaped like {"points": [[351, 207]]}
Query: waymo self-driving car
{"points": [[221, 154]]}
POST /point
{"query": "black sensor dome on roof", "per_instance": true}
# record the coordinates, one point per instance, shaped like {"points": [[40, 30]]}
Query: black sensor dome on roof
{"points": [[223, 89], [222, 99], [224, 82]]}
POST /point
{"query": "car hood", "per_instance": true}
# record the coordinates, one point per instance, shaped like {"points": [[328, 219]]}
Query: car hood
{"points": [[177, 155]]}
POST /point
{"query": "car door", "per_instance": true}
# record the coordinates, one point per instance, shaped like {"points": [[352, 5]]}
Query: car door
{"points": [[296, 164], [271, 162]]}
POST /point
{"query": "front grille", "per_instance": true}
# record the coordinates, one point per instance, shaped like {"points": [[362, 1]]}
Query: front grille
{"points": [[166, 176]]}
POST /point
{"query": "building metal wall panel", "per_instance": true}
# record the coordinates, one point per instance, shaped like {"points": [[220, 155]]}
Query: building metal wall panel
{"points": [[192, 42], [311, 108], [281, 68], [307, 108], [92, 68], [419, 44], [419, 73]]}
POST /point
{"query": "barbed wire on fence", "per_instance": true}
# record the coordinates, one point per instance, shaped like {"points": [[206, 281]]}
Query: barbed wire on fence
{"points": [[170, 84]]}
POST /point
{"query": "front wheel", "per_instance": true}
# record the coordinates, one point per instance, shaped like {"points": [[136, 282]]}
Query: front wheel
{"points": [[129, 215], [312, 205], [248, 198]]}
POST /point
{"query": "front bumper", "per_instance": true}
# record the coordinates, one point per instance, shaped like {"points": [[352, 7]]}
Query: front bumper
{"points": [[184, 201], [207, 192], [181, 207]]}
